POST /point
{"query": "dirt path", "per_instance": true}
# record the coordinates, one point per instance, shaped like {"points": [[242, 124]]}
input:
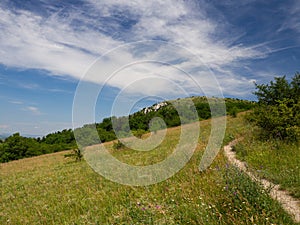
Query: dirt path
{"points": [[290, 204]]}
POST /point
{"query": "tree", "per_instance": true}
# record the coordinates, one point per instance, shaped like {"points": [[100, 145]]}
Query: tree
{"points": [[278, 111], [76, 153], [277, 90]]}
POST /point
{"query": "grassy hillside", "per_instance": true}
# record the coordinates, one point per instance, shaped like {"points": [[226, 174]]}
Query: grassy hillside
{"points": [[17, 147], [51, 189], [275, 160]]}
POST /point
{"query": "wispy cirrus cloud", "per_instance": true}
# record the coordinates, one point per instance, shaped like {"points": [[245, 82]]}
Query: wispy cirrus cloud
{"points": [[292, 20], [32, 109], [15, 102], [66, 40], [296, 20]]}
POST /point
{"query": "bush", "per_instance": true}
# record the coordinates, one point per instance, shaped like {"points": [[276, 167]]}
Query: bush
{"points": [[233, 112], [76, 153], [118, 145], [278, 109], [139, 133]]}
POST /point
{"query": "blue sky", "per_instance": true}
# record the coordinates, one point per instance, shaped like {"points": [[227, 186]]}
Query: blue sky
{"points": [[135, 53]]}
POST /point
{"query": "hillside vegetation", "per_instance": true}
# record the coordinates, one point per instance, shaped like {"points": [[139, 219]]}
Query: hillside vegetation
{"points": [[271, 146], [51, 189], [18, 147], [275, 160], [277, 113]]}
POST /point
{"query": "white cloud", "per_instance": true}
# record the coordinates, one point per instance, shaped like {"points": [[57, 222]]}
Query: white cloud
{"points": [[16, 102], [31, 41], [295, 20], [61, 46], [292, 20], [33, 110]]}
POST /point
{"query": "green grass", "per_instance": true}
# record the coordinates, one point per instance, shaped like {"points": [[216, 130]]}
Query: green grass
{"points": [[51, 189], [277, 161]]}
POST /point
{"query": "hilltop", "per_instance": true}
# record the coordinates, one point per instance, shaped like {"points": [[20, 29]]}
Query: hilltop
{"points": [[192, 109]]}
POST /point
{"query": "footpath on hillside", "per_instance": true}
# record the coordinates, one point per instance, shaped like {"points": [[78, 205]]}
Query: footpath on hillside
{"points": [[290, 204]]}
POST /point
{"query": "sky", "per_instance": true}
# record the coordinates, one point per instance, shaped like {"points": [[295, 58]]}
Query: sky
{"points": [[113, 57]]}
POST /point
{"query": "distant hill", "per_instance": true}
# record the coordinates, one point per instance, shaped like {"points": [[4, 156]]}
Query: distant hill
{"points": [[172, 113]]}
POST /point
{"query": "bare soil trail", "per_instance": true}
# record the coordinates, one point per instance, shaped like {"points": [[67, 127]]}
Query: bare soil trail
{"points": [[290, 204]]}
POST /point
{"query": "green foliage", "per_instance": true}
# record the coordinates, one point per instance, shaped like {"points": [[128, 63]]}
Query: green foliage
{"points": [[273, 159], [86, 135], [17, 147], [76, 153], [171, 118], [65, 136], [139, 133], [105, 135], [270, 94], [118, 145], [279, 121], [278, 110], [233, 112], [49, 190], [244, 196], [278, 90], [234, 106]]}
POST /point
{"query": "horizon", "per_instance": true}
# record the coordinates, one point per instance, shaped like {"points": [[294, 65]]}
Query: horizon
{"points": [[5, 135]]}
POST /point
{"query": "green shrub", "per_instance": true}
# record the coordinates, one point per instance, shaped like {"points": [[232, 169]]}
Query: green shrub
{"points": [[76, 153], [139, 133], [118, 145], [277, 113], [233, 112]]}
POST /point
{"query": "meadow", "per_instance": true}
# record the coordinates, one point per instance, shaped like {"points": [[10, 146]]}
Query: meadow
{"points": [[52, 189], [275, 160]]}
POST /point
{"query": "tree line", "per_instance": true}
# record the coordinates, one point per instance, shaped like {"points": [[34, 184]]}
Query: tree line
{"points": [[172, 113]]}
